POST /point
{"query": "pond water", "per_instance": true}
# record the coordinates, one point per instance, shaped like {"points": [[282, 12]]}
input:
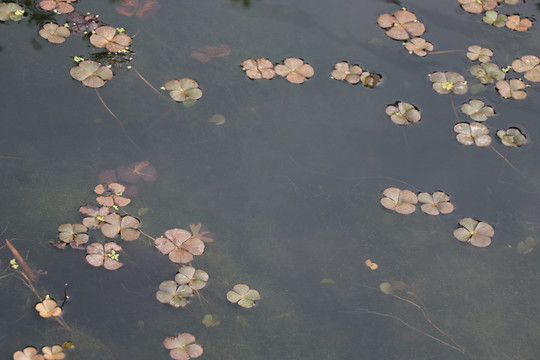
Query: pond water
{"points": [[290, 185]]}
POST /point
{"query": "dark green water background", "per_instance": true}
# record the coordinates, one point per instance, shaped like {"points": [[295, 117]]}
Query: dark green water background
{"points": [[290, 185]]}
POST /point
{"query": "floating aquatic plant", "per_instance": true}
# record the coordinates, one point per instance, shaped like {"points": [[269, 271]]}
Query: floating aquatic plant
{"points": [[179, 245], [370, 80], [173, 294], [476, 110], [478, 6], [195, 279], [183, 347], [258, 69], [436, 203], [48, 308], [96, 215], [184, 90], [242, 295], [401, 25], [106, 36], [475, 232], [58, 6], [207, 52], [29, 353], [91, 73], [401, 201], [514, 22], [370, 264], [105, 255], [476, 52], [55, 352], [294, 70], [443, 83], [127, 227], [492, 17], [344, 71], [473, 133], [403, 113], [53, 33], [512, 137], [200, 233], [512, 88], [111, 195], [530, 65], [73, 234], [526, 246], [418, 46], [11, 11], [141, 8], [82, 24], [487, 73]]}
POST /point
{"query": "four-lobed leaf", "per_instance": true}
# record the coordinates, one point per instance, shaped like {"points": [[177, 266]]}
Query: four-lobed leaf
{"points": [[242, 295], [401, 201], [403, 113], [473, 133], [475, 232], [91, 73]]}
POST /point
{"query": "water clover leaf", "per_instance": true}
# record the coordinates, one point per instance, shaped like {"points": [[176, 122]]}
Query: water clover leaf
{"points": [[403, 113], [104, 255], [401, 201], [294, 70], [511, 88], [401, 25], [385, 287], [207, 52], [183, 347], [58, 6], [91, 73], [530, 65], [343, 71], [514, 22], [436, 203], [188, 275], [200, 233], [476, 110], [173, 294], [53, 33], [135, 172], [473, 133], [418, 46], [11, 11], [443, 83], [106, 36], [29, 353], [258, 69], [48, 308], [56, 352], [96, 215], [493, 18], [243, 296], [370, 80], [184, 90], [512, 137], [478, 6], [479, 53], [111, 195], [486, 73], [179, 245], [127, 227], [82, 24], [475, 232], [210, 320], [526, 246], [73, 234]]}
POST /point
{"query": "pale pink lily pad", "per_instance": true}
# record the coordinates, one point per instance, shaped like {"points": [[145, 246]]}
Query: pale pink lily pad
{"points": [[511, 88], [106, 36], [127, 226], [173, 294], [183, 347], [243, 295], [436, 203], [194, 278], [401, 25], [91, 73], [106, 255], [530, 65], [179, 245], [477, 233], [344, 71], [258, 69], [473, 133], [443, 83], [401, 201], [295, 70], [403, 113]]}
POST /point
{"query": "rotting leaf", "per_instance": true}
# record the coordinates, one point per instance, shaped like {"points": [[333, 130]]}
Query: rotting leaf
{"points": [[82, 24], [200, 233]]}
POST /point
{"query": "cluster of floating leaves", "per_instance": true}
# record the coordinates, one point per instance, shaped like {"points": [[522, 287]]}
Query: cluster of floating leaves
{"points": [[55, 352], [178, 291], [403, 113], [492, 17], [11, 11], [293, 69], [404, 201], [242, 295], [183, 90], [353, 74], [183, 347], [82, 24], [475, 232]]}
